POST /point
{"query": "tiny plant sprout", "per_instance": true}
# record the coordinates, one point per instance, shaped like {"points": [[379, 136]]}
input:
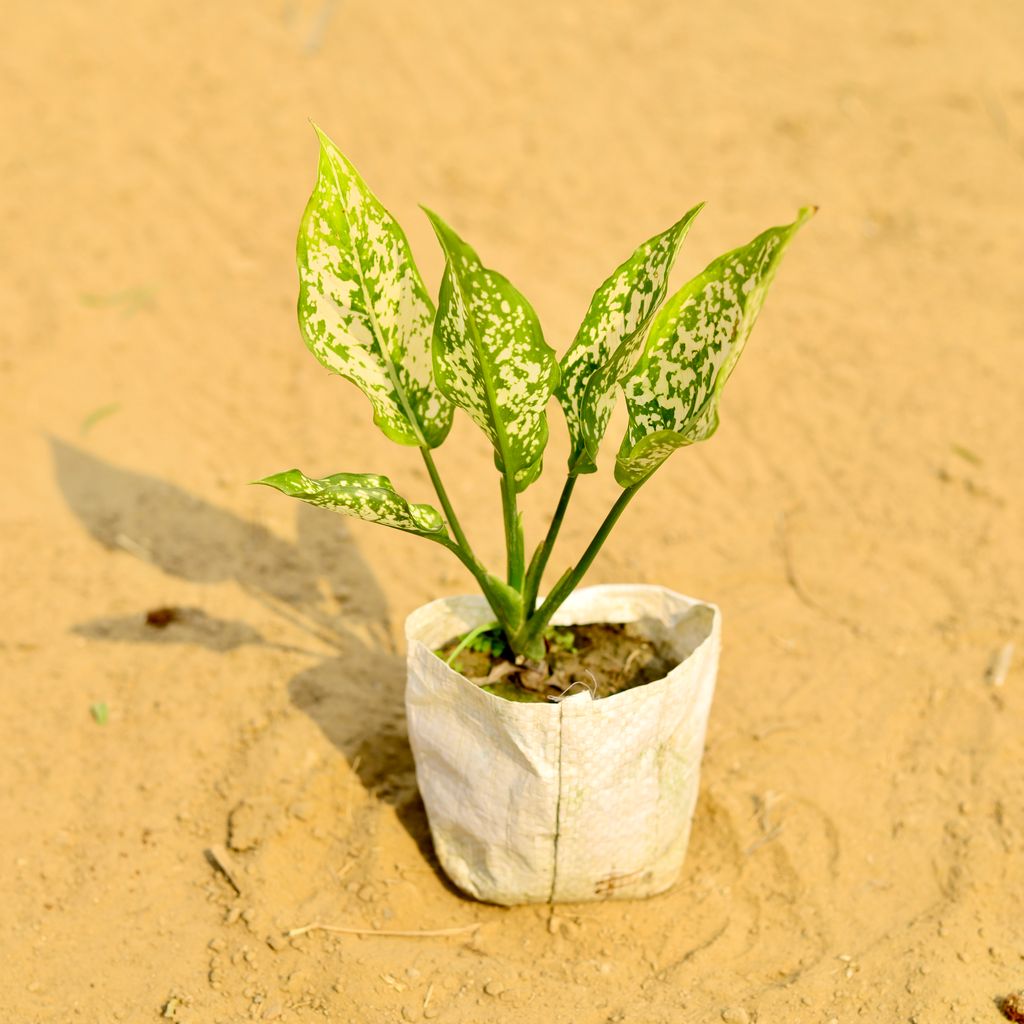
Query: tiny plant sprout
{"points": [[366, 315]]}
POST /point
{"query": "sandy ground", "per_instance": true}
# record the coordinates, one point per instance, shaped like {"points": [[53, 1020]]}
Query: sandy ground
{"points": [[858, 851]]}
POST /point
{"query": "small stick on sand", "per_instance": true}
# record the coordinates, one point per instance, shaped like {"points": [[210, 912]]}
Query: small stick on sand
{"points": [[219, 857], [427, 933], [999, 667]]}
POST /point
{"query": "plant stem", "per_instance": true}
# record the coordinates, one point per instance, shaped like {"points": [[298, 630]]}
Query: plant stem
{"points": [[467, 640], [537, 622], [442, 494], [540, 557], [506, 606], [514, 545], [462, 555]]}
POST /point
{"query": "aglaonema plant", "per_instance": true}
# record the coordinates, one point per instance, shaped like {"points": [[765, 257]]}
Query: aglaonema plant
{"points": [[366, 315]]}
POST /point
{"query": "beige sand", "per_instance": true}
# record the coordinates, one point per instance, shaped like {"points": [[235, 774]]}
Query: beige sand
{"points": [[857, 852]]}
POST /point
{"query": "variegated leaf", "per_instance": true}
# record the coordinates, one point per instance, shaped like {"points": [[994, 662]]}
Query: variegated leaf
{"points": [[362, 496], [693, 345], [363, 309], [490, 357], [610, 339]]}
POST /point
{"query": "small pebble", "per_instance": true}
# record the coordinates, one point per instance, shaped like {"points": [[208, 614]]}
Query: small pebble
{"points": [[276, 942], [494, 988], [1013, 1006], [366, 893], [735, 1015], [217, 945]]}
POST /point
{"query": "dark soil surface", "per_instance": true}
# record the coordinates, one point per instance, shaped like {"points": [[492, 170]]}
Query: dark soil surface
{"points": [[605, 658]]}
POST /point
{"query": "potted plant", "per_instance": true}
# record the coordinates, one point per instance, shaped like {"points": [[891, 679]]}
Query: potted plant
{"points": [[543, 779]]}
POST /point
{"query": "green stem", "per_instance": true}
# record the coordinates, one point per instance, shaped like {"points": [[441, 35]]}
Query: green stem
{"points": [[540, 557], [464, 556], [514, 545], [467, 640], [537, 623], [442, 494], [504, 603]]}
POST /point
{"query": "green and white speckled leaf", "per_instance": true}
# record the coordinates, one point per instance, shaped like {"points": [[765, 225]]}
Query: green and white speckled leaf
{"points": [[363, 309], [362, 496], [490, 357], [672, 394], [610, 340]]}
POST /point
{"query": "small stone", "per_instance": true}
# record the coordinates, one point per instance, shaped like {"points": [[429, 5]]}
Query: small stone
{"points": [[410, 1013], [248, 915], [494, 988], [366, 893], [1013, 1006], [411, 972], [296, 981], [301, 810], [735, 1015], [276, 942], [217, 945], [246, 825], [233, 914]]}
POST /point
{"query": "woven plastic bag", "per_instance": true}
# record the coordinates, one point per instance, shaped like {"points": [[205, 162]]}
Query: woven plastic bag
{"points": [[577, 800]]}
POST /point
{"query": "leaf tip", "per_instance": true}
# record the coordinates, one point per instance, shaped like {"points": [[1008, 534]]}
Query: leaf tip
{"points": [[441, 229], [322, 137], [279, 481]]}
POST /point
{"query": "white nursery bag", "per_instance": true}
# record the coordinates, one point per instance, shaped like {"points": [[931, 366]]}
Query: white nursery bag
{"points": [[582, 799]]}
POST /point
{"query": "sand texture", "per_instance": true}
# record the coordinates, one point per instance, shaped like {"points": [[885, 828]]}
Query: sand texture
{"points": [[858, 847]]}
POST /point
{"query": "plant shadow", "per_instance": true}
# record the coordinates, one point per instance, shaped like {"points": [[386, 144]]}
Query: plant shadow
{"points": [[320, 583]]}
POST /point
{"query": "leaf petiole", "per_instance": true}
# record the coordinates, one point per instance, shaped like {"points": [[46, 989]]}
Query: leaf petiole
{"points": [[540, 557], [442, 496], [538, 621], [468, 639]]}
